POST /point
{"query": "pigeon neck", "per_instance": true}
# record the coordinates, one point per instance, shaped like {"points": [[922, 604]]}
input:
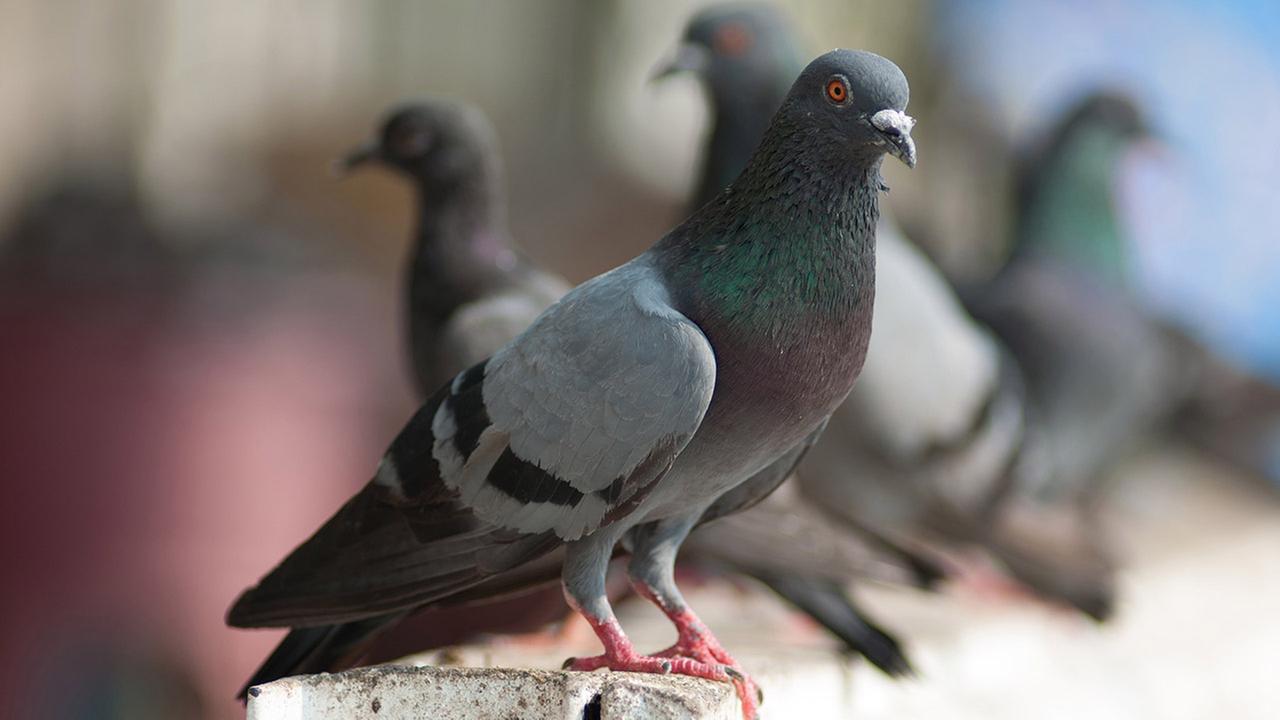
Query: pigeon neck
{"points": [[788, 249], [462, 252], [462, 232], [741, 112], [733, 135], [1069, 213]]}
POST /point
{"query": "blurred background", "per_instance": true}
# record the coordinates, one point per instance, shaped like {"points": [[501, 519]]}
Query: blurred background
{"points": [[200, 350]]}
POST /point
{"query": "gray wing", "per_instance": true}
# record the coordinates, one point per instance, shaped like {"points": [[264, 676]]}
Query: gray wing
{"points": [[403, 541], [576, 419], [562, 431]]}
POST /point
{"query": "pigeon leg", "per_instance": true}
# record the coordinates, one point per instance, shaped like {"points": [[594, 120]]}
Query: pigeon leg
{"points": [[652, 574], [586, 563]]}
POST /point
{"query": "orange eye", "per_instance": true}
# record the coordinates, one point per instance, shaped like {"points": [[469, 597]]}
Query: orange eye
{"points": [[732, 40], [836, 90]]}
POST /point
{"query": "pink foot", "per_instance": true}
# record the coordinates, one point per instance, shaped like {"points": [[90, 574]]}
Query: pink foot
{"points": [[697, 643], [620, 656]]}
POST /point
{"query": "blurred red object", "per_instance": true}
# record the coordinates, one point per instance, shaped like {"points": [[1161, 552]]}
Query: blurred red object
{"points": [[163, 441]]}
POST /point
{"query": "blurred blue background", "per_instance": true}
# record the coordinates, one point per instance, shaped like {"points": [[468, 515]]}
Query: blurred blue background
{"points": [[1204, 216]]}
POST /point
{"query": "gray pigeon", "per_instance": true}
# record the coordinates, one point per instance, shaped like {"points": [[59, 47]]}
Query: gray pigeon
{"points": [[677, 388], [480, 327], [1100, 372], [747, 57], [922, 450], [470, 291], [1066, 215]]}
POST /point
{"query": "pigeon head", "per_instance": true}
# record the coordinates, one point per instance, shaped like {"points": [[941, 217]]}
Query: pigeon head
{"points": [[439, 144], [1093, 132], [850, 105], [1099, 126], [745, 54], [1065, 204], [1110, 111]]}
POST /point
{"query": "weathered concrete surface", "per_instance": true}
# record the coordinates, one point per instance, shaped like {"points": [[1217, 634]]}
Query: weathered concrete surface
{"points": [[401, 693], [798, 681]]}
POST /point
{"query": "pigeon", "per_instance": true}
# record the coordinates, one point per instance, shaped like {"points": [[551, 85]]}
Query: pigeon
{"points": [[470, 291], [1066, 213], [1100, 372], [480, 328], [674, 389], [747, 58], [925, 445], [1064, 204]]}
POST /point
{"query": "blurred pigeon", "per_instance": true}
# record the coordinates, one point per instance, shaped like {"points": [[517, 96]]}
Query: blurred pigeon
{"points": [[1064, 207], [470, 291], [746, 56], [1100, 372], [923, 449], [1066, 212], [677, 388], [1068, 227]]}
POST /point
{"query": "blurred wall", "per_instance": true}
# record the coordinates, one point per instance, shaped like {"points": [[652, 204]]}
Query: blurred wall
{"points": [[198, 99]]}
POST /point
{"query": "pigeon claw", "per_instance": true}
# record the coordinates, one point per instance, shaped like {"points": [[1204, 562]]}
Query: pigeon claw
{"points": [[698, 645], [742, 680], [713, 663]]}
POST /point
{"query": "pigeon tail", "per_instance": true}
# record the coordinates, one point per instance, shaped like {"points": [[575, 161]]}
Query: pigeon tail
{"points": [[830, 605], [318, 649]]}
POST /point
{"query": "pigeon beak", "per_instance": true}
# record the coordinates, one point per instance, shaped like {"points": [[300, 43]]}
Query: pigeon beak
{"points": [[894, 127], [361, 155], [688, 58]]}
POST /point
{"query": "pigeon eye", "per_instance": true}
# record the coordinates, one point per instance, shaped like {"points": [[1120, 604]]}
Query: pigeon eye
{"points": [[837, 90], [410, 143], [732, 40]]}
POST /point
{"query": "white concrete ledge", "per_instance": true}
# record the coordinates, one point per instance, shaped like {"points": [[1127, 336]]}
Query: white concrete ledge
{"points": [[401, 693], [800, 679]]}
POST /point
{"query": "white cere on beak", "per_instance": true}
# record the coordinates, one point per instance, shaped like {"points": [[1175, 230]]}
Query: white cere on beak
{"points": [[895, 127], [893, 121]]}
